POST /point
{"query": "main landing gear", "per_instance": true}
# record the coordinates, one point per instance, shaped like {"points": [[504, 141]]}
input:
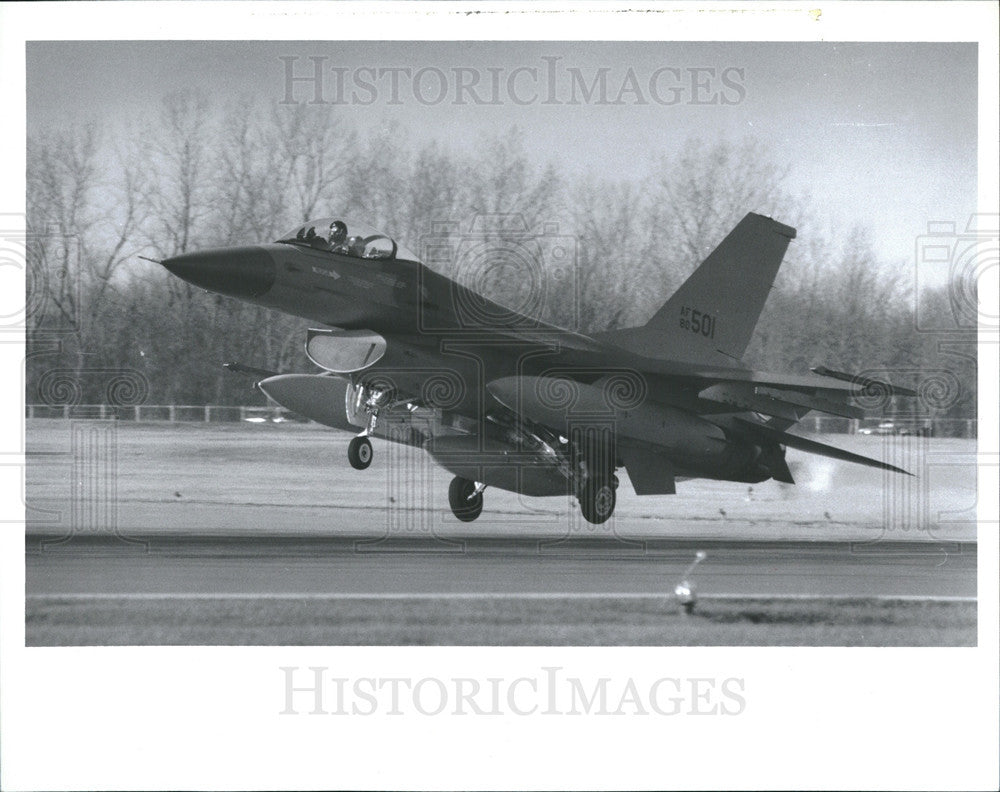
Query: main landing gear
{"points": [[594, 450], [465, 498], [597, 500]]}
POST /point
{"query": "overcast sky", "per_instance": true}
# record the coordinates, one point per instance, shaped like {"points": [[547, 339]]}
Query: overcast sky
{"points": [[882, 134]]}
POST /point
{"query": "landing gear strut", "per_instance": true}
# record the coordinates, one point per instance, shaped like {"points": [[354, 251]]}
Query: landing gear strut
{"points": [[370, 401], [359, 452], [465, 498]]}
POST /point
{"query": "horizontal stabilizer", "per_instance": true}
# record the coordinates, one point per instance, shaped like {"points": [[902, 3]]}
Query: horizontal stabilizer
{"points": [[815, 447], [863, 382]]}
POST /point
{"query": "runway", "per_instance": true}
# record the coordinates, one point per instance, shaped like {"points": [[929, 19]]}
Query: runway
{"points": [[306, 590], [185, 565], [237, 535]]}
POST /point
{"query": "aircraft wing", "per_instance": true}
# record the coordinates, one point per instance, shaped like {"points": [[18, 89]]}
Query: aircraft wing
{"points": [[824, 380], [815, 447], [789, 398], [719, 388]]}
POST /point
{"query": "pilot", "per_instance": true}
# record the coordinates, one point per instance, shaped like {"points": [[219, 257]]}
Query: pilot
{"points": [[356, 246], [302, 234], [337, 236]]}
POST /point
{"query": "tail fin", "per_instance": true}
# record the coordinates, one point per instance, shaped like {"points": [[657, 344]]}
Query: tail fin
{"points": [[712, 316]]}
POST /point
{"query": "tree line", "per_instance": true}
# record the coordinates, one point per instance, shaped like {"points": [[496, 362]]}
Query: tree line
{"points": [[99, 318]]}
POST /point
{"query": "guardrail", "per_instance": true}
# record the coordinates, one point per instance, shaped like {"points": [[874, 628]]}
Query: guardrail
{"points": [[222, 413], [895, 425], [197, 413]]}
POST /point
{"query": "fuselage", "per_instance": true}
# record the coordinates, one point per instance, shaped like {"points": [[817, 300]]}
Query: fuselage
{"points": [[435, 327]]}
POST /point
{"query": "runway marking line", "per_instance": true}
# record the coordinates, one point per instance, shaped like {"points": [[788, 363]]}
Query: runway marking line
{"points": [[446, 595]]}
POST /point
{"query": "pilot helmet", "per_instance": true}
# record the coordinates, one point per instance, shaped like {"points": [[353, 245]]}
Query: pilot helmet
{"points": [[338, 232]]}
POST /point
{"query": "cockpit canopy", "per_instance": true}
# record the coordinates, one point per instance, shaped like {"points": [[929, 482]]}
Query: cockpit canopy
{"points": [[337, 235]]}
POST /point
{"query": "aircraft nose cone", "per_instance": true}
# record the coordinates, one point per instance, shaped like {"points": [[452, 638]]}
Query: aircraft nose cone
{"points": [[236, 272]]}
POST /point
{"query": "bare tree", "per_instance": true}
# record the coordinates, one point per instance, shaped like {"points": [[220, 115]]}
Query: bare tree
{"points": [[180, 194], [611, 237], [207, 175], [700, 195], [315, 150], [433, 192], [61, 177], [504, 180]]}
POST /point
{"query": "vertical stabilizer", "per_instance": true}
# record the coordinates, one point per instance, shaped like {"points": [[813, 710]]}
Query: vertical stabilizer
{"points": [[711, 317]]}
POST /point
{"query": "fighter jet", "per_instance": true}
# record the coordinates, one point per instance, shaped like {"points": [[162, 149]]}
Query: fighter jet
{"points": [[501, 399]]}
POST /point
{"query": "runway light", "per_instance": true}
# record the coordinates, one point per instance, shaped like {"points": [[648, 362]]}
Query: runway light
{"points": [[686, 596], [685, 591]]}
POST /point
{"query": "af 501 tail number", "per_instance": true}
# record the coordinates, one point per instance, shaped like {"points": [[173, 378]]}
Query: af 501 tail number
{"points": [[698, 322]]}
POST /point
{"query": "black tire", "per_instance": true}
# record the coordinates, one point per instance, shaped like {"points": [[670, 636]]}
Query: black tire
{"points": [[597, 502], [465, 505], [359, 453]]}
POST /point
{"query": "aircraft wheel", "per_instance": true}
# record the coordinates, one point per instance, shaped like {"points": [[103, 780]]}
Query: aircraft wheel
{"points": [[359, 453], [464, 504], [597, 502]]}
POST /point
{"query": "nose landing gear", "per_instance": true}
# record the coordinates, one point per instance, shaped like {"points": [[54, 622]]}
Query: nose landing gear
{"points": [[359, 452], [370, 401]]}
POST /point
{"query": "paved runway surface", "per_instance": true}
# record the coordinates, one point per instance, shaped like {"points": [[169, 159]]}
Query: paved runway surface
{"points": [[263, 535], [186, 566]]}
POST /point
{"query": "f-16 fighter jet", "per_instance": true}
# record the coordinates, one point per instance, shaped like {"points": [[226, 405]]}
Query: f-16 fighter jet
{"points": [[501, 399]]}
